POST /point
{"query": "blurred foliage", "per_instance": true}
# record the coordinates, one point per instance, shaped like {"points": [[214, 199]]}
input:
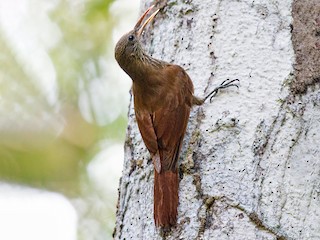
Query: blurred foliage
{"points": [[41, 143], [85, 37], [49, 145]]}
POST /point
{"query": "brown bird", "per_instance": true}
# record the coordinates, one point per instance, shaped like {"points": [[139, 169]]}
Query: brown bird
{"points": [[163, 97]]}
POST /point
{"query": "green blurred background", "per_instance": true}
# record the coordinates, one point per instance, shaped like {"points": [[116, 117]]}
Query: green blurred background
{"points": [[63, 102]]}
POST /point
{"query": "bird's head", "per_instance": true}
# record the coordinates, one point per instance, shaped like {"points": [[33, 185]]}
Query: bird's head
{"points": [[129, 44]]}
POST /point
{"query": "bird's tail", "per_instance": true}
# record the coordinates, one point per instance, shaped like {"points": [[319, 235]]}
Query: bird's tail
{"points": [[166, 184]]}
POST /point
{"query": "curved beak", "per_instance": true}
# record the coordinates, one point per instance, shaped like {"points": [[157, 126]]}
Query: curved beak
{"points": [[137, 26]]}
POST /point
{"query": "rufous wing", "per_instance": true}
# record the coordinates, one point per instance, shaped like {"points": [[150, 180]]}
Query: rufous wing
{"points": [[163, 132]]}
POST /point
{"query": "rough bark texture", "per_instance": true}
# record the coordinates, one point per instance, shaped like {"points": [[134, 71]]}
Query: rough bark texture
{"points": [[249, 167], [306, 43]]}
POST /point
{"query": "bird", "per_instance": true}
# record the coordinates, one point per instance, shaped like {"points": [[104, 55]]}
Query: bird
{"points": [[163, 95]]}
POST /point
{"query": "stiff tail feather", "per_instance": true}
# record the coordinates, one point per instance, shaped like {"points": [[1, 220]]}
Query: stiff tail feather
{"points": [[166, 184]]}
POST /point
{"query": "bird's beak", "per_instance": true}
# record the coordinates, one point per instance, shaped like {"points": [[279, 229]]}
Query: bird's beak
{"points": [[140, 29]]}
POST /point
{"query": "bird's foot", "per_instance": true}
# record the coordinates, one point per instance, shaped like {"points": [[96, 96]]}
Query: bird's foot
{"points": [[225, 84]]}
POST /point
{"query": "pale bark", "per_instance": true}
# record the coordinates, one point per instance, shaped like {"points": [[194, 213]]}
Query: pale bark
{"points": [[250, 161]]}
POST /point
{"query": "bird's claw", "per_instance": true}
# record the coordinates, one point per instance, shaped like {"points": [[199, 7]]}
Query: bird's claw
{"points": [[225, 84]]}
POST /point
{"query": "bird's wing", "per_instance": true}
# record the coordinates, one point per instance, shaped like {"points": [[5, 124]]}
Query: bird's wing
{"points": [[145, 124], [146, 127], [163, 130], [170, 126], [170, 121]]}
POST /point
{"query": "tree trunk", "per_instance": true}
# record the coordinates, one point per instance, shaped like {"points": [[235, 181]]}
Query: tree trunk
{"points": [[249, 167]]}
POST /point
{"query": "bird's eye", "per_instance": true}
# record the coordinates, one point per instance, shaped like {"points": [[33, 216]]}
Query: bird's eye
{"points": [[131, 37]]}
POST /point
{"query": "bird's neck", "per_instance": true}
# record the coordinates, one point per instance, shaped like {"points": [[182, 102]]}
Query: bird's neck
{"points": [[148, 83], [140, 66]]}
